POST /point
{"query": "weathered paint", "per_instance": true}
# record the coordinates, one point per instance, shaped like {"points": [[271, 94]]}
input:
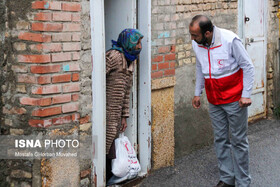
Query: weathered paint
{"points": [[164, 35], [66, 67], [47, 5], [144, 87], [254, 32], [98, 87]]}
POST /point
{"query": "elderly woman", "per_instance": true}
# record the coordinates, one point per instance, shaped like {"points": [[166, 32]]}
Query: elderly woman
{"points": [[119, 74]]}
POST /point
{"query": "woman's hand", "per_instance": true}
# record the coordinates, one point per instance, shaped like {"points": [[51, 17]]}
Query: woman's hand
{"points": [[123, 125]]}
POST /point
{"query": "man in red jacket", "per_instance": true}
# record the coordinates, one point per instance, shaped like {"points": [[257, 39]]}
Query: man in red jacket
{"points": [[226, 71]]}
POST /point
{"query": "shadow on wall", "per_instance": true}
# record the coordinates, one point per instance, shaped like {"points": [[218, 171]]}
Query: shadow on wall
{"points": [[193, 128]]}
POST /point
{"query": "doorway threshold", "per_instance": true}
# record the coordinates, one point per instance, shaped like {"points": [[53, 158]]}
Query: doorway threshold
{"points": [[130, 183]]}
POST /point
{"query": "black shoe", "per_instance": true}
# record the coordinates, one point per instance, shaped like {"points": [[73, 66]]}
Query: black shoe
{"points": [[222, 184]]}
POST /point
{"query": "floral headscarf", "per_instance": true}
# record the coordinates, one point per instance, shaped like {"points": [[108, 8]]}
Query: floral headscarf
{"points": [[127, 42]]}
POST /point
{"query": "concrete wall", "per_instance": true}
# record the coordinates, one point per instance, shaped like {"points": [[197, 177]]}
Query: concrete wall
{"points": [[193, 127], [272, 63]]}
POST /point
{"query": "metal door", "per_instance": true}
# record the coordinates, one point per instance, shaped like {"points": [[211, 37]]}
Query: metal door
{"points": [[254, 38], [121, 14]]}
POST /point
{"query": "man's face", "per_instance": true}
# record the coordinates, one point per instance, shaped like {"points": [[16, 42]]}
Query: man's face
{"points": [[196, 34]]}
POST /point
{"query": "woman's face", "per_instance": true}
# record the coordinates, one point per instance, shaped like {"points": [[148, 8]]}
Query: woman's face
{"points": [[139, 45]]}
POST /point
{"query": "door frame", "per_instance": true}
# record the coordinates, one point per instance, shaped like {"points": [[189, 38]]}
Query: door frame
{"points": [[114, 24], [99, 90], [241, 33]]}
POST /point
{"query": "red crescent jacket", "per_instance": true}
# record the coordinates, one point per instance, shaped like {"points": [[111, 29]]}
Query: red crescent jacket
{"points": [[222, 73]]}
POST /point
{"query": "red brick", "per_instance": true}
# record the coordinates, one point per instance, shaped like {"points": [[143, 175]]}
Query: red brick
{"points": [[43, 16], [20, 69], [61, 98], [169, 72], [157, 74], [70, 107], [154, 67], [44, 79], [34, 37], [73, 7], [46, 5], [172, 64], [28, 101], [61, 37], [62, 16], [61, 78], [157, 59], [61, 57], [75, 97], [36, 47], [163, 49], [70, 27], [44, 102], [50, 89], [52, 27], [85, 173], [173, 49], [75, 117], [26, 79], [62, 120], [170, 57], [71, 67], [53, 47], [45, 69], [35, 101], [40, 123], [73, 87], [164, 65], [76, 17], [76, 56], [71, 46], [76, 37], [34, 58], [85, 119], [47, 111], [75, 77]]}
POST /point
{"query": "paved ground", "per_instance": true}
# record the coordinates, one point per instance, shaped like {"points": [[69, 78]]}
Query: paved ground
{"points": [[200, 169]]}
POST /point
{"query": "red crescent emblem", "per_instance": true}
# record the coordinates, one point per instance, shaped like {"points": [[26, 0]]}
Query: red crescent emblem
{"points": [[220, 62]]}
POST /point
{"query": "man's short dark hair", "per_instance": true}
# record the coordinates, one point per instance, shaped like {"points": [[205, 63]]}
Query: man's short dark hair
{"points": [[204, 23]]}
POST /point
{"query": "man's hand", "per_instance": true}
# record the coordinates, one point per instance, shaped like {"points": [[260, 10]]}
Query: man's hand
{"points": [[196, 102], [244, 102], [123, 125]]}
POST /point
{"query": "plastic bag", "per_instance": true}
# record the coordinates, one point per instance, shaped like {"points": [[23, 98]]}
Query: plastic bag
{"points": [[120, 165], [126, 165], [134, 166]]}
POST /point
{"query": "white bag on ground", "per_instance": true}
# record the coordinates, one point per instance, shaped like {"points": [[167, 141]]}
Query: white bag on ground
{"points": [[120, 165], [126, 164], [132, 159]]}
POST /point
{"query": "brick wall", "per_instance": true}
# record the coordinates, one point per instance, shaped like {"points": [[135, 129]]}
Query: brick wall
{"points": [[48, 54], [223, 13], [45, 75], [163, 39]]}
